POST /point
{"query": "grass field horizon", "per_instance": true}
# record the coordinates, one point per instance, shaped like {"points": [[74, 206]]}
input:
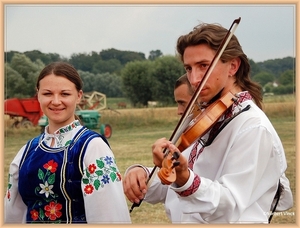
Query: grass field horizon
{"points": [[135, 130]]}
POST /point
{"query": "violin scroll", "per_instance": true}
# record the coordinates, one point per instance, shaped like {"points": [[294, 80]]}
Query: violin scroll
{"points": [[167, 172]]}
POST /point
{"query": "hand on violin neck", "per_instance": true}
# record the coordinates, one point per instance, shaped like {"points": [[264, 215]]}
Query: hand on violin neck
{"points": [[182, 171], [158, 149], [174, 166]]}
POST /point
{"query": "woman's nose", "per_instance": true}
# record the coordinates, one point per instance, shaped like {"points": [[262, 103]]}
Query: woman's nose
{"points": [[56, 100]]}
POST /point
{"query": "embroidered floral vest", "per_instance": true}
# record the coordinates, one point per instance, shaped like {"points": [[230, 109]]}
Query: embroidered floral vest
{"points": [[50, 180]]}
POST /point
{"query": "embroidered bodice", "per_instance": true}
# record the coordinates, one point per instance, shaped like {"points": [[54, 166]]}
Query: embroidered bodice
{"points": [[50, 178]]}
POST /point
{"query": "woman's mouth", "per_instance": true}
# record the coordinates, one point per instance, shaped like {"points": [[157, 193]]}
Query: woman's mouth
{"points": [[56, 109]]}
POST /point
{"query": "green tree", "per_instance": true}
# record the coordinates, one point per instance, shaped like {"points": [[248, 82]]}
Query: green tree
{"points": [[109, 84], [154, 54], [123, 56], [9, 55], [254, 68], [167, 70], [137, 82], [14, 83], [277, 66], [45, 58], [107, 66], [28, 70], [83, 61], [287, 77], [88, 80], [268, 88], [284, 89], [263, 78]]}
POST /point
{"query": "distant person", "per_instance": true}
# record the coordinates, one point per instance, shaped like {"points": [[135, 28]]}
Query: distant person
{"points": [[68, 174], [183, 93], [231, 173]]}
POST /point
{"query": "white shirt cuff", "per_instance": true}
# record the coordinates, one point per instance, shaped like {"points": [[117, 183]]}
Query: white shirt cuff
{"points": [[186, 185]]}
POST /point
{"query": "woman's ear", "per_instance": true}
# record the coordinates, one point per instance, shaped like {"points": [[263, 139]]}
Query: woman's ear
{"points": [[37, 93], [234, 65], [80, 94]]}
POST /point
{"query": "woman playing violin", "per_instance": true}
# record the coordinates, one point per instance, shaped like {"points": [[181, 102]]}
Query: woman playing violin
{"points": [[231, 173]]}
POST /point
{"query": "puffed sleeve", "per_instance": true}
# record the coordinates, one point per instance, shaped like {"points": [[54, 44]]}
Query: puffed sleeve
{"points": [[102, 187], [14, 207]]}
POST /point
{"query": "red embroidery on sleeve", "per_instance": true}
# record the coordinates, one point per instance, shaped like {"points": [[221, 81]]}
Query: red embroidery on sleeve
{"points": [[194, 187]]}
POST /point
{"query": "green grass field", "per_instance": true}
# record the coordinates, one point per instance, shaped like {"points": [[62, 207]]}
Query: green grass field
{"points": [[134, 132]]}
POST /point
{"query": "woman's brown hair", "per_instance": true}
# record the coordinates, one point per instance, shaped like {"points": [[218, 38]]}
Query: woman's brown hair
{"points": [[61, 69]]}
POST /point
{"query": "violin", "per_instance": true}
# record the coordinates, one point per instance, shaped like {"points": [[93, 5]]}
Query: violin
{"points": [[198, 127], [193, 123], [201, 124]]}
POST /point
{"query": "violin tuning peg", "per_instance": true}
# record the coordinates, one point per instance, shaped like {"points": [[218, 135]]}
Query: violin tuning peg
{"points": [[234, 99], [175, 155], [175, 164]]}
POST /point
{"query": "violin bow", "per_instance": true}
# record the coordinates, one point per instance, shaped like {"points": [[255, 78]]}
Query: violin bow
{"points": [[223, 45], [184, 118]]}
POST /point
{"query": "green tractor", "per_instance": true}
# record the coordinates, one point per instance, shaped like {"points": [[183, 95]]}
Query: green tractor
{"points": [[88, 113]]}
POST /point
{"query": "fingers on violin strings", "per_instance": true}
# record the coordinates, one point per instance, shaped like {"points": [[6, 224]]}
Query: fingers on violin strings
{"points": [[173, 149], [160, 144]]}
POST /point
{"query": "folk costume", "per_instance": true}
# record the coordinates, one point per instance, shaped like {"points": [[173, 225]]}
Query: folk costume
{"points": [[75, 181], [234, 172]]}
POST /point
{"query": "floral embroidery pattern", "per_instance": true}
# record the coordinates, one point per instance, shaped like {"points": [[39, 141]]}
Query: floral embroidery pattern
{"points": [[98, 174], [34, 215], [68, 128], [51, 166], [46, 189], [60, 135], [52, 210], [9, 187]]}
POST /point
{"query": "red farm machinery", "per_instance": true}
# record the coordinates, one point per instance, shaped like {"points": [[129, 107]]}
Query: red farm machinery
{"points": [[27, 113]]}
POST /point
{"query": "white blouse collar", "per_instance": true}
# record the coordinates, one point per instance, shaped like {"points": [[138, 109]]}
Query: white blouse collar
{"points": [[63, 136]]}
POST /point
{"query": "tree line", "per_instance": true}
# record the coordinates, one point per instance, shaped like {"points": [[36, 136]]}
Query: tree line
{"points": [[130, 74]]}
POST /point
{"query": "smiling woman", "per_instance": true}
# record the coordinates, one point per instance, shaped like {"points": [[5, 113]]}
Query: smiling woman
{"points": [[58, 103], [62, 174]]}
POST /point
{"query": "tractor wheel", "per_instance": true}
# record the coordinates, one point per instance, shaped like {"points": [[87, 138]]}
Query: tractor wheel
{"points": [[26, 124], [106, 130], [16, 124]]}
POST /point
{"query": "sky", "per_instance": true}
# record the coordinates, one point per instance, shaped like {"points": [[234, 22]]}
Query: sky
{"points": [[265, 31]]}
